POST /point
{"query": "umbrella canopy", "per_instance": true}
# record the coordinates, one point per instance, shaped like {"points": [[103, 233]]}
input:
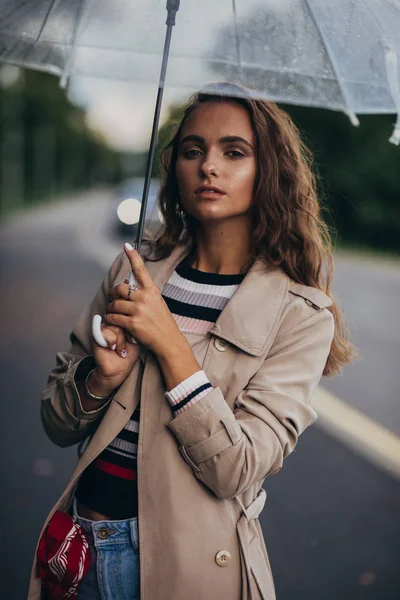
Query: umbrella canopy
{"points": [[337, 55]]}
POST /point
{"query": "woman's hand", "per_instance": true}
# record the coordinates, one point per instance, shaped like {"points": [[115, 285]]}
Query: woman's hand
{"points": [[143, 312], [114, 363]]}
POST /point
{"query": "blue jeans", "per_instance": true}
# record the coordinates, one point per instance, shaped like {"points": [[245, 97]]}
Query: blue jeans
{"points": [[114, 572]]}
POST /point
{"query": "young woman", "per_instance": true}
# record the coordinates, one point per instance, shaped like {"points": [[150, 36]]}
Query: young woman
{"points": [[235, 326]]}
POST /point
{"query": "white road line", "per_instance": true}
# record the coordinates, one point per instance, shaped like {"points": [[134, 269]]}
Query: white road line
{"points": [[366, 437]]}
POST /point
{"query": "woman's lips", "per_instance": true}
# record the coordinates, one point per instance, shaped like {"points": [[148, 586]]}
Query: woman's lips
{"points": [[209, 192], [206, 194]]}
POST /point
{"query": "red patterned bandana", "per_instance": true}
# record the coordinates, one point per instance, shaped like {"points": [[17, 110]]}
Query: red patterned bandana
{"points": [[63, 555]]}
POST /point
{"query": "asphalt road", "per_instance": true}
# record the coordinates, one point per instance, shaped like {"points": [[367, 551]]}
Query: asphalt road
{"points": [[369, 290], [331, 521]]}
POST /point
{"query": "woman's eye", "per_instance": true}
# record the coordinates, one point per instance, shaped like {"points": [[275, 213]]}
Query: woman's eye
{"points": [[236, 153], [194, 153], [191, 153]]}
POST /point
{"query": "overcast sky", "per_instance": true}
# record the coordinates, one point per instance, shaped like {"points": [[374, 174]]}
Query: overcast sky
{"points": [[121, 112]]}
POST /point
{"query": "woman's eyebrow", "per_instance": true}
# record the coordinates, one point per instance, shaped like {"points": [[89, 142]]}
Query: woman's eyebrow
{"points": [[235, 138], [223, 140]]}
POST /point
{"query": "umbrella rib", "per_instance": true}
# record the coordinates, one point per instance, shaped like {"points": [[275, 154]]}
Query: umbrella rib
{"points": [[238, 53], [46, 18], [352, 116], [391, 59], [82, 11]]}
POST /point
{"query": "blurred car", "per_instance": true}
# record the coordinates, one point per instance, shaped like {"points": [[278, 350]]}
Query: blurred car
{"points": [[126, 208]]}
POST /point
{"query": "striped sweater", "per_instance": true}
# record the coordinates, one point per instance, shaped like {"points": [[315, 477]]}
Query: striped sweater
{"points": [[196, 299]]}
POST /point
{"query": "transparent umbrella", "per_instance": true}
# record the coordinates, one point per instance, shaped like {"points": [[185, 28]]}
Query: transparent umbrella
{"points": [[341, 55]]}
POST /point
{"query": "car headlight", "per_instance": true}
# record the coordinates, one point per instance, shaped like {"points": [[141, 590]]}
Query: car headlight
{"points": [[128, 211]]}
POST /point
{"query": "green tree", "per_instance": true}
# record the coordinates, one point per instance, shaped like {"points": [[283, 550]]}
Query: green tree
{"points": [[358, 173], [46, 147]]}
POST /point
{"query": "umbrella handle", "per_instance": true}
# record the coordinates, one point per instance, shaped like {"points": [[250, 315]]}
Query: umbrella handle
{"points": [[96, 331], [96, 322], [98, 336]]}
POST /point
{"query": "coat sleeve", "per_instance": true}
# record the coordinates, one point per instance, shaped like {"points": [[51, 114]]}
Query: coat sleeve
{"points": [[230, 451], [62, 415]]}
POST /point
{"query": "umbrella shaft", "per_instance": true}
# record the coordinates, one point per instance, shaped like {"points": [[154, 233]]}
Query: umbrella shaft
{"points": [[153, 141]]}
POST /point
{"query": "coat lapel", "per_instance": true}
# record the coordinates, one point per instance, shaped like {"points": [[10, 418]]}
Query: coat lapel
{"points": [[251, 316]]}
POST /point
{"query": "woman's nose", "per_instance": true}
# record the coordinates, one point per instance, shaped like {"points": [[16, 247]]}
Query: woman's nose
{"points": [[209, 167]]}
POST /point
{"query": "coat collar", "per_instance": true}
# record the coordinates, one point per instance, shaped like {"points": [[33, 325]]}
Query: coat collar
{"points": [[252, 315]]}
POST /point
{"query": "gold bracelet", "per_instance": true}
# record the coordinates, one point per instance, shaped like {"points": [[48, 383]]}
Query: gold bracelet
{"points": [[93, 396]]}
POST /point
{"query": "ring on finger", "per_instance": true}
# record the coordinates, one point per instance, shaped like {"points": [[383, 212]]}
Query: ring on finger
{"points": [[132, 288]]}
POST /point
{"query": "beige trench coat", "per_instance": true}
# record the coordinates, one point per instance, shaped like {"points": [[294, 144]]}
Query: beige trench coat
{"points": [[200, 474]]}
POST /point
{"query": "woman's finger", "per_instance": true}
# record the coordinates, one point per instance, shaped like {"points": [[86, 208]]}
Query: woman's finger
{"points": [[119, 291], [129, 338], [142, 276], [121, 307], [121, 343], [110, 336]]}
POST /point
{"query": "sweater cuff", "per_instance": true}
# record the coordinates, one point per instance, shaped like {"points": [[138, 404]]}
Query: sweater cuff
{"points": [[188, 392]]}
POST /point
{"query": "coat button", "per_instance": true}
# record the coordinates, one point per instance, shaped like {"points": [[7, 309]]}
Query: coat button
{"points": [[222, 558], [104, 533], [220, 345]]}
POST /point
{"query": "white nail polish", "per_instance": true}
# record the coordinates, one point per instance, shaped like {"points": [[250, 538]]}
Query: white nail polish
{"points": [[128, 246], [113, 347], [124, 353]]}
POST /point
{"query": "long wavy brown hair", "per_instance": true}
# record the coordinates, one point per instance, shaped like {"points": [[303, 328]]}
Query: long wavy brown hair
{"points": [[288, 229]]}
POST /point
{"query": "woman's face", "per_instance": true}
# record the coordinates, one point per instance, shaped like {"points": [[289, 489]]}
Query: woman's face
{"points": [[217, 148]]}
